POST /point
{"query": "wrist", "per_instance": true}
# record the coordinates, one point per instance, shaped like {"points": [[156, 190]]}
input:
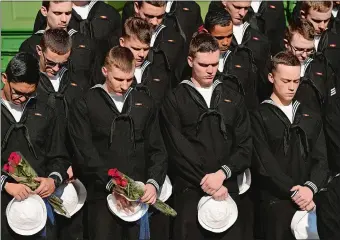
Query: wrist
{"points": [[221, 175]]}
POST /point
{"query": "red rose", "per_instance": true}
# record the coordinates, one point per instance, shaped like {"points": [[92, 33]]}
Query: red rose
{"points": [[113, 172], [124, 183], [14, 159], [118, 181], [6, 167]]}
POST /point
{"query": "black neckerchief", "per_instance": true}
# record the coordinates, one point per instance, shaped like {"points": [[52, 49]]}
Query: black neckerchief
{"points": [[256, 20]]}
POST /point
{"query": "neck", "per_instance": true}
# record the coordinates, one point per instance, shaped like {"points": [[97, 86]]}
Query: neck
{"points": [[278, 101], [81, 3], [3, 95]]}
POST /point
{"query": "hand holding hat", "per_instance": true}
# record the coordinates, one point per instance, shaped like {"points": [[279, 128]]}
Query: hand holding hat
{"points": [[211, 182]]}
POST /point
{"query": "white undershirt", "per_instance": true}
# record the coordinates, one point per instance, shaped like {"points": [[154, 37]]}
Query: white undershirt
{"points": [[288, 110], [168, 6], [118, 100], [316, 42], [255, 5], [206, 93], [15, 110], [303, 68], [335, 11], [238, 33], [220, 64], [55, 80], [138, 74], [83, 11]]}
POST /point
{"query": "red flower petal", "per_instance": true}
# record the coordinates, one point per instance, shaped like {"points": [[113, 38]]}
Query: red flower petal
{"points": [[124, 183], [14, 159], [11, 169], [6, 167]]}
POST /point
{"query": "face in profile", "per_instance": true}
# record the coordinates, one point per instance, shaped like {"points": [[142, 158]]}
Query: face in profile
{"points": [[17, 92], [51, 62], [285, 81], [118, 81], [153, 14], [58, 14], [319, 20], [139, 50], [223, 35], [302, 48], [237, 10], [204, 67]]}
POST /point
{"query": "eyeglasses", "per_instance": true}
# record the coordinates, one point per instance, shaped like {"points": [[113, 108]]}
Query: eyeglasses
{"points": [[16, 95], [52, 64], [303, 50]]}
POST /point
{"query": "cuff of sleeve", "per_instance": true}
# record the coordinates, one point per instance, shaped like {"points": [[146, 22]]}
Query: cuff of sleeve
{"points": [[109, 186], [154, 183], [56, 177], [294, 193], [311, 186], [226, 171], [3, 180]]}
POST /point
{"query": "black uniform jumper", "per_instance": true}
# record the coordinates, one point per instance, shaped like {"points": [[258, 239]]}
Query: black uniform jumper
{"points": [[201, 140], [105, 138], [38, 137], [285, 155]]}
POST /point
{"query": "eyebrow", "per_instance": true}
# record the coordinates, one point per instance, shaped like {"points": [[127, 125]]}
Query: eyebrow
{"points": [[208, 63], [285, 79]]}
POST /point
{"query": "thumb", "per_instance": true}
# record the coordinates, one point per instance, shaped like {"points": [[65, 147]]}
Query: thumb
{"points": [[204, 179], [295, 188], [38, 179]]}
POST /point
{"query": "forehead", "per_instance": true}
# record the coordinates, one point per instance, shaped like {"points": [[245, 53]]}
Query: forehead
{"points": [[118, 73], [219, 30], [56, 57], [322, 16], [60, 6], [288, 72], [23, 87], [208, 57], [135, 42], [299, 41], [152, 10], [241, 4]]}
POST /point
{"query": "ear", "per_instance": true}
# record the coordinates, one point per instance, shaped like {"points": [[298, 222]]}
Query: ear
{"points": [[43, 11], [104, 71], [303, 14], [121, 42], [190, 61], [136, 7], [286, 43], [271, 77], [224, 3], [39, 50], [4, 78]]}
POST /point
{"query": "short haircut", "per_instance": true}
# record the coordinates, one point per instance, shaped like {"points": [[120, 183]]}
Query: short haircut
{"points": [[202, 42], [138, 28], [302, 27], [23, 68], [319, 6], [46, 4], [217, 17], [120, 57], [153, 3], [57, 41], [284, 58]]}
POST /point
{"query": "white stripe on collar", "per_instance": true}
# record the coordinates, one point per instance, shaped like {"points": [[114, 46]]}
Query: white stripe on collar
{"points": [[190, 83], [305, 66], [144, 65], [40, 32], [155, 34], [226, 55], [245, 26], [295, 105], [71, 32], [91, 4], [102, 86], [168, 6]]}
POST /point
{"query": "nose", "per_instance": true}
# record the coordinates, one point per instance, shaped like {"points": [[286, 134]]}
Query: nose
{"points": [[242, 12], [63, 18], [154, 21], [141, 53], [291, 86], [124, 85], [322, 25], [304, 54], [56, 68], [210, 69]]}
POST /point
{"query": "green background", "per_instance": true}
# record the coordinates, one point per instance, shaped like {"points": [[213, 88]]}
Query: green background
{"points": [[17, 20]]}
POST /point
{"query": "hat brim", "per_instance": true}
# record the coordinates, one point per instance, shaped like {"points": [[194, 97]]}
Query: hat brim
{"points": [[166, 190], [231, 221], [303, 231], [82, 195], [28, 232], [244, 181], [139, 212]]}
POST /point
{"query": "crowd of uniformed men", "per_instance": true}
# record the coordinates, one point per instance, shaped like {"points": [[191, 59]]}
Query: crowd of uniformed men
{"points": [[161, 92]]}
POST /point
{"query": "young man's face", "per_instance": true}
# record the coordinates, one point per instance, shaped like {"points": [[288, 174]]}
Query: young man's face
{"points": [[204, 67], [300, 47], [51, 62], [17, 93], [58, 14], [140, 50], [223, 36], [319, 20], [237, 10], [118, 81], [150, 13], [285, 81]]}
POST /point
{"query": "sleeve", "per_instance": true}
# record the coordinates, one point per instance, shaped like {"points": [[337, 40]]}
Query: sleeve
{"points": [[157, 160], [319, 168], [240, 159], [180, 151], [264, 161], [40, 22], [56, 153], [87, 160]]}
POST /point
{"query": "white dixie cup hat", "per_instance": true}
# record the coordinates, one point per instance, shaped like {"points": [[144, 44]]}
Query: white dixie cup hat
{"points": [[244, 181], [166, 190], [304, 225]]}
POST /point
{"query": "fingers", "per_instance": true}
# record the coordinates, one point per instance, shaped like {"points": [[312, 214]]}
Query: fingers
{"points": [[204, 179], [147, 196], [38, 179], [39, 189], [152, 200]]}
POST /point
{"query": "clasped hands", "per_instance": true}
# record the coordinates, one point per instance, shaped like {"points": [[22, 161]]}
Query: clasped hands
{"points": [[303, 198], [212, 184]]}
